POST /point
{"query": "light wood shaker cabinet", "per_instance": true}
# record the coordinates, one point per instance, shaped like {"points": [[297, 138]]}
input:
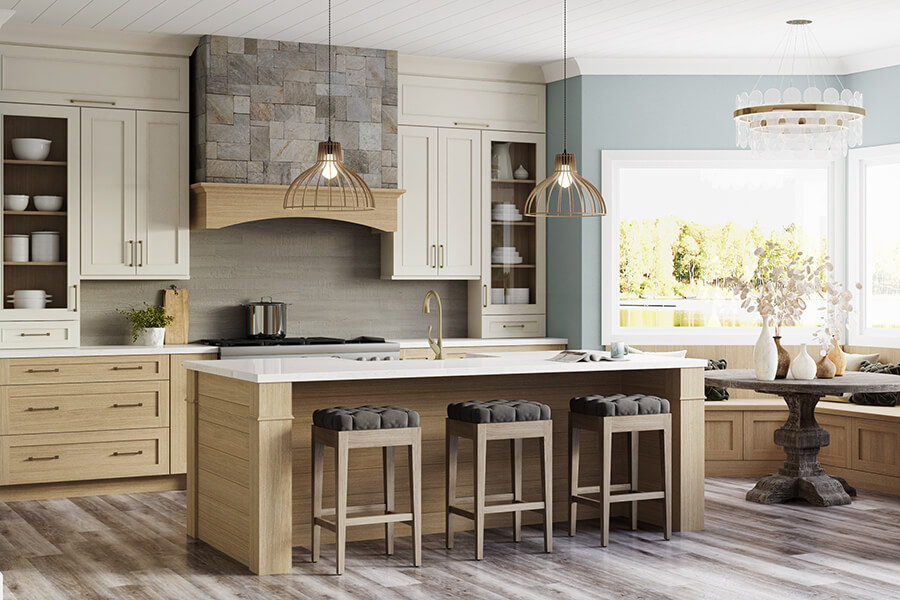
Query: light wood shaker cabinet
{"points": [[134, 195], [439, 227]]}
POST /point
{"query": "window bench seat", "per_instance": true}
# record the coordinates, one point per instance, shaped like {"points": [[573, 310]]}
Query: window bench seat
{"points": [[864, 449]]}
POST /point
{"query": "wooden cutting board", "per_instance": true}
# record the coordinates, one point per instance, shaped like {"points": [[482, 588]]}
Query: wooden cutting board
{"points": [[176, 303]]}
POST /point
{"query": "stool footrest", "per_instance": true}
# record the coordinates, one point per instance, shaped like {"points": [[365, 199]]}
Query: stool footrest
{"points": [[596, 489], [629, 497], [366, 520], [504, 497], [355, 510], [514, 507]]}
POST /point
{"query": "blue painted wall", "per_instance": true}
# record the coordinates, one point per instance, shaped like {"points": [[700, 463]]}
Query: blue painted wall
{"points": [[652, 112]]}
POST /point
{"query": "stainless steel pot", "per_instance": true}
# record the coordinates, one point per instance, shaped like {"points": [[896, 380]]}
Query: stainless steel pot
{"points": [[266, 319]]}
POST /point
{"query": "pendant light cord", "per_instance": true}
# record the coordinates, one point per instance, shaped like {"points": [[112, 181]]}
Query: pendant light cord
{"points": [[565, 81], [329, 70]]}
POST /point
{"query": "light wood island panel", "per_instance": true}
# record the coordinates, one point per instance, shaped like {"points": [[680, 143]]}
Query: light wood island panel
{"points": [[250, 458]]}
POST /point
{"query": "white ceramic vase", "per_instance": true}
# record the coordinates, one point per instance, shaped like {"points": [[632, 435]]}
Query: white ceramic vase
{"points": [[152, 336], [500, 157], [803, 366], [765, 355]]}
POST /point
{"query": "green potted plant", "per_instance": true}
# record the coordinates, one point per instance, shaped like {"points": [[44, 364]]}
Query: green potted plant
{"points": [[148, 324]]}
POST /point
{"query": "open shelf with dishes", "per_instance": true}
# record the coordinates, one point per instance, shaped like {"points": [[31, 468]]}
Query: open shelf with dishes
{"points": [[39, 178]]}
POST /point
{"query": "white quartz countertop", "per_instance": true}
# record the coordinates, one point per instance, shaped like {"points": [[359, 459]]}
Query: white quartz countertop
{"points": [[107, 351], [283, 370], [482, 342]]}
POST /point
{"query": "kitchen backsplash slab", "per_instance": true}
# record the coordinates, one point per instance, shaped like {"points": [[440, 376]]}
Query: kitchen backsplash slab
{"points": [[259, 109], [328, 271]]}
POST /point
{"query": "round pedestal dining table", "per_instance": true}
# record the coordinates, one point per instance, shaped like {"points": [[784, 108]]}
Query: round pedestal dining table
{"points": [[801, 436]]}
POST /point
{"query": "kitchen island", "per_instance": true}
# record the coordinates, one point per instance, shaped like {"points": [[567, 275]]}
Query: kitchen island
{"points": [[249, 438]]}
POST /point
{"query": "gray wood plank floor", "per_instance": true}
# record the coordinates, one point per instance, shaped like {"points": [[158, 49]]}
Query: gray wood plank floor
{"points": [[134, 547]]}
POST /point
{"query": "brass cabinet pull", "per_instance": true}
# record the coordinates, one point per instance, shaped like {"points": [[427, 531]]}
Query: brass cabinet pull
{"points": [[39, 408], [134, 405], [485, 295], [75, 300], [43, 370], [79, 101], [47, 334], [34, 458], [522, 325], [463, 124], [135, 453], [137, 368], [140, 253], [131, 252], [442, 256], [434, 256]]}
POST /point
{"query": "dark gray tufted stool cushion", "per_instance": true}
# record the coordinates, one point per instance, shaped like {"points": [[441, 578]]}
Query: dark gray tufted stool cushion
{"points": [[343, 418], [619, 405], [498, 411]]}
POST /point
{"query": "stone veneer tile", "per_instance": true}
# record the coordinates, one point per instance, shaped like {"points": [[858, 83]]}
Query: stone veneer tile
{"points": [[358, 109], [347, 133], [300, 151], [295, 130], [375, 71], [228, 151], [269, 76], [242, 104], [370, 136], [261, 111], [220, 109], [226, 168], [389, 175], [296, 92], [267, 93], [259, 143], [218, 45], [235, 45]]}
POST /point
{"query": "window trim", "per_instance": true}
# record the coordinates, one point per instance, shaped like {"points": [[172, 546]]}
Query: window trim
{"points": [[613, 160], [858, 159]]}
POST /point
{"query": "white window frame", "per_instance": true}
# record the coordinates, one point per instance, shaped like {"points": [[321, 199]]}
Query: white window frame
{"points": [[859, 158], [613, 160]]}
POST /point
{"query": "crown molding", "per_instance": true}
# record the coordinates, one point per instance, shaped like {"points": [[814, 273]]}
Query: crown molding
{"points": [[429, 66], [74, 38]]}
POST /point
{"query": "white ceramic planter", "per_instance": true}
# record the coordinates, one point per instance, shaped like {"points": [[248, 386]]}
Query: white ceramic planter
{"points": [[765, 355], [152, 336]]}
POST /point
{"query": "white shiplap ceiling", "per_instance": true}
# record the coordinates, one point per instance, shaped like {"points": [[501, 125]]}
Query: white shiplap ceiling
{"points": [[517, 31]]}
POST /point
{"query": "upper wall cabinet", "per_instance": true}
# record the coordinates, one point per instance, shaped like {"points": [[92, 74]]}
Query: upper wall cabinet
{"points": [[439, 227], [444, 102], [88, 78], [135, 210]]}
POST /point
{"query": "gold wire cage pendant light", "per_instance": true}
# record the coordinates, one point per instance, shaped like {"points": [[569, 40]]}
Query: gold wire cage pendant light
{"points": [[329, 184], [565, 193]]}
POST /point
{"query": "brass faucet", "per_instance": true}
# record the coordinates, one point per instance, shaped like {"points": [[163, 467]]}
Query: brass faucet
{"points": [[436, 347]]}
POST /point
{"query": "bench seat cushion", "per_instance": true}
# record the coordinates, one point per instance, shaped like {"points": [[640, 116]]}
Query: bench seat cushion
{"points": [[343, 418], [619, 405], [498, 411]]}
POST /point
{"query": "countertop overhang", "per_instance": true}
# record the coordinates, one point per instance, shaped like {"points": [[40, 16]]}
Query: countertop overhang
{"points": [[291, 370], [218, 205]]}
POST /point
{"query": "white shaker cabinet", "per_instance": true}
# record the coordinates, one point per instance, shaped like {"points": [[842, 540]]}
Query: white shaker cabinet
{"points": [[134, 194], [439, 228]]}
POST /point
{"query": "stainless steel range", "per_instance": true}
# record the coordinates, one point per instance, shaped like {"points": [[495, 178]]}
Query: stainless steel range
{"points": [[361, 348]]}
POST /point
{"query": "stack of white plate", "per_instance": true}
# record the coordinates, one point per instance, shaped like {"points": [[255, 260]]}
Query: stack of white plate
{"points": [[497, 296], [15, 248], [45, 246], [505, 211], [517, 295], [29, 298], [507, 255]]}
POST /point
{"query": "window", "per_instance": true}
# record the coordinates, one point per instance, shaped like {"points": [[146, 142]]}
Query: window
{"points": [[874, 255], [681, 223]]}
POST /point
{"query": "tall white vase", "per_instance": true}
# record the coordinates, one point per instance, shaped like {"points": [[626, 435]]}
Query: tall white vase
{"points": [[803, 366], [765, 355]]}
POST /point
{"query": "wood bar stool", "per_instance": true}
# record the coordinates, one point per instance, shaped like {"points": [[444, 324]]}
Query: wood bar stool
{"points": [[499, 420], [365, 427], [619, 414]]}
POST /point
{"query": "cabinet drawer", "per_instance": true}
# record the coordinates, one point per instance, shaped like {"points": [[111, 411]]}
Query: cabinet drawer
{"points": [[72, 456], [39, 334], [92, 369], [28, 409], [515, 326]]}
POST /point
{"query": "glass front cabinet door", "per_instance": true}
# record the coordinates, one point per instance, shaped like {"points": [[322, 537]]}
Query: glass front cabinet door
{"points": [[509, 300], [40, 234]]}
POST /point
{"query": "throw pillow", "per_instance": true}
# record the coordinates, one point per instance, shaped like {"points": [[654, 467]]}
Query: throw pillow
{"points": [[854, 361], [877, 399], [713, 392]]}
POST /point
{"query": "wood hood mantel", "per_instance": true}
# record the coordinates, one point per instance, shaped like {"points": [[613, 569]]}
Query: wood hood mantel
{"points": [[218, 205]]}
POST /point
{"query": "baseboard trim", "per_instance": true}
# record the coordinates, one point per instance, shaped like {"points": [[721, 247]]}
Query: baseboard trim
{"points": [[100, 487]]}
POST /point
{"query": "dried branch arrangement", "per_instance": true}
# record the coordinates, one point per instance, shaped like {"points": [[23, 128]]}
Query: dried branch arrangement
{"points": [[779, 293], [837, 309]]}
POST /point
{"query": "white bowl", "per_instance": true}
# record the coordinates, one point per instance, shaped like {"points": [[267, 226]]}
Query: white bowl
{"points": [[31, 148], [15, 202], [48, 203]]}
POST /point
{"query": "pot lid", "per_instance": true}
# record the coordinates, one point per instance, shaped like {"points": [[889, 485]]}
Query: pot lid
{"points": [[264, 302]]}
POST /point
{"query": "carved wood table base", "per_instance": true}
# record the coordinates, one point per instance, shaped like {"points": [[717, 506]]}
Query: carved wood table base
{"points": [[802, 476]]}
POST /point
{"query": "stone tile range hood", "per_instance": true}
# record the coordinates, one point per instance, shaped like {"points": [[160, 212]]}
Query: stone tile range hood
{"points": [[259, 109]]}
